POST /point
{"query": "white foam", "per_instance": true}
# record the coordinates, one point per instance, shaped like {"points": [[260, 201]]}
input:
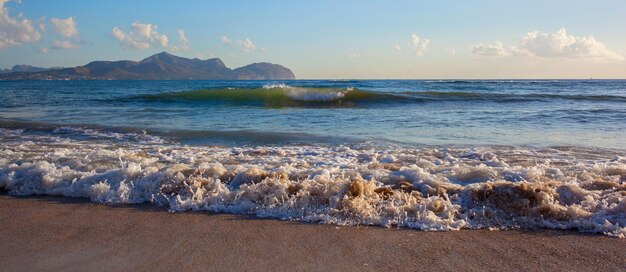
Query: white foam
{"points": [[301, 94], [309, 94], [276, 86], [425, 188]]}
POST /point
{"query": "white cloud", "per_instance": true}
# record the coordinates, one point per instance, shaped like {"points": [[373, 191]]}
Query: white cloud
{"points": [[43, 50], [141, 37], [182, 38], [419, 44], [364, 54], [225, 40], [397, 47], [491, 50], [58, 44], [205, 56], [246, 45], [353, 55], [562, 45], [551, 45], [41, 24], [15, 31], [64, 27]]}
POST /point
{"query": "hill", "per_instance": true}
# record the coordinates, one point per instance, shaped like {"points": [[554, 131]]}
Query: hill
{"points": [[162, 66]]}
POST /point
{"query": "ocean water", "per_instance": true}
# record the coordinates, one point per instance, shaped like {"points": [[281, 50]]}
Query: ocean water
{"points": [[430, 155]]}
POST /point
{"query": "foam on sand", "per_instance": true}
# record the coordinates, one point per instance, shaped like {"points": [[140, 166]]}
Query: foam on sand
{"points": [[424, 188]]}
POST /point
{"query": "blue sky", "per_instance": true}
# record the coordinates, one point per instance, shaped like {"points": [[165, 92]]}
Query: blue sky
{"points": [[330, 39]]}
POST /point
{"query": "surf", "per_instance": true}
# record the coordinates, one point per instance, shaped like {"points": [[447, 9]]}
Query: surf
{"points": [[427, 188]]}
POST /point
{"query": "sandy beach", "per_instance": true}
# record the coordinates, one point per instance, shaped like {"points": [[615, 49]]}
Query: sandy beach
{"points": [[61, 234]]}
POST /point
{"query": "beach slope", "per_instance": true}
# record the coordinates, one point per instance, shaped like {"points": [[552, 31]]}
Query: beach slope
{"points": [[53, 234]]}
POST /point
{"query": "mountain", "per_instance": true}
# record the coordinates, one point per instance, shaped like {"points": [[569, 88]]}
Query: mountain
{"points": [[162, 66], [27, 69], [262, 70]]}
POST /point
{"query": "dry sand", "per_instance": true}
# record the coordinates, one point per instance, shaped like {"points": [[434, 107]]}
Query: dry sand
{"points": [[52, 234]]}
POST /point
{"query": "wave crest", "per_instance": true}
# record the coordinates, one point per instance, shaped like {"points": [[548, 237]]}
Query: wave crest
{"points": [[279, 95], [282, 95], [276, 86]]}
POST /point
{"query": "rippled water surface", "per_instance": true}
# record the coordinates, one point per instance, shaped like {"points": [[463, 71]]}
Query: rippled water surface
{"points": [[532, 113]]}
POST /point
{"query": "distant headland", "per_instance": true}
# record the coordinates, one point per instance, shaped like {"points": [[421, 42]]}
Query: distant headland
{"points": [[162, 66]]}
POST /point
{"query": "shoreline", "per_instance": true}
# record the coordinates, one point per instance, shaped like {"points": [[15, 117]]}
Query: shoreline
{"points": [[57, 233]]}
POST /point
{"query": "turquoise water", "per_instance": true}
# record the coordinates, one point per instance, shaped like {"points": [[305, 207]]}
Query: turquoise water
{"points": [[528, 113]]}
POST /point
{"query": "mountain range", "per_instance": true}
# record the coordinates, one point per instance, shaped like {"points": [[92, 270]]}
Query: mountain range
{"points": [[162, 66], [27, 69]]}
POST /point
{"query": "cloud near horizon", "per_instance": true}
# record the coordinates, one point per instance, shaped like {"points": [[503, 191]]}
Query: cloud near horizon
{"points": [[141, 37], [551, 45], [491, 50], [225, 40], [353, 55], [246, 45], [419, 44], [146, 35], [16, 30], [64, 27], [562, 45], [182, 40], [60, 44]]}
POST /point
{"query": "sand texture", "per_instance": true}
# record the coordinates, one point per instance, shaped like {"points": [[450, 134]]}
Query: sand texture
{"points": [[63, 234]]}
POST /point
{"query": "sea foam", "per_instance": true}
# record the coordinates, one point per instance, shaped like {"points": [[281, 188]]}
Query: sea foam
{"points": [[427, 188], [309, 94]]}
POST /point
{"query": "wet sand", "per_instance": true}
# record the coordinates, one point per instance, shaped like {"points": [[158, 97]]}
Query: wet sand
{"points": [[63, 234]]}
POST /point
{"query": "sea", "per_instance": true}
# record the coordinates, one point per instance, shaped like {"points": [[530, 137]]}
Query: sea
{"points": [[420, 154]]}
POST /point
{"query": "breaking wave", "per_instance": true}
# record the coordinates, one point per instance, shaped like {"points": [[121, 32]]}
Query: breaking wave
{"points": [[276, 96], [427, 188], [281, 95]]}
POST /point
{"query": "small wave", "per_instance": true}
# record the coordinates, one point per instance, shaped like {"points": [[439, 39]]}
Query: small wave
{"points": [[83, 132], [91, 132], [281, 95]]}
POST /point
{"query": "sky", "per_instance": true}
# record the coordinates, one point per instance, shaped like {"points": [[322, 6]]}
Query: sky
{"points": [[330, 39]]}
